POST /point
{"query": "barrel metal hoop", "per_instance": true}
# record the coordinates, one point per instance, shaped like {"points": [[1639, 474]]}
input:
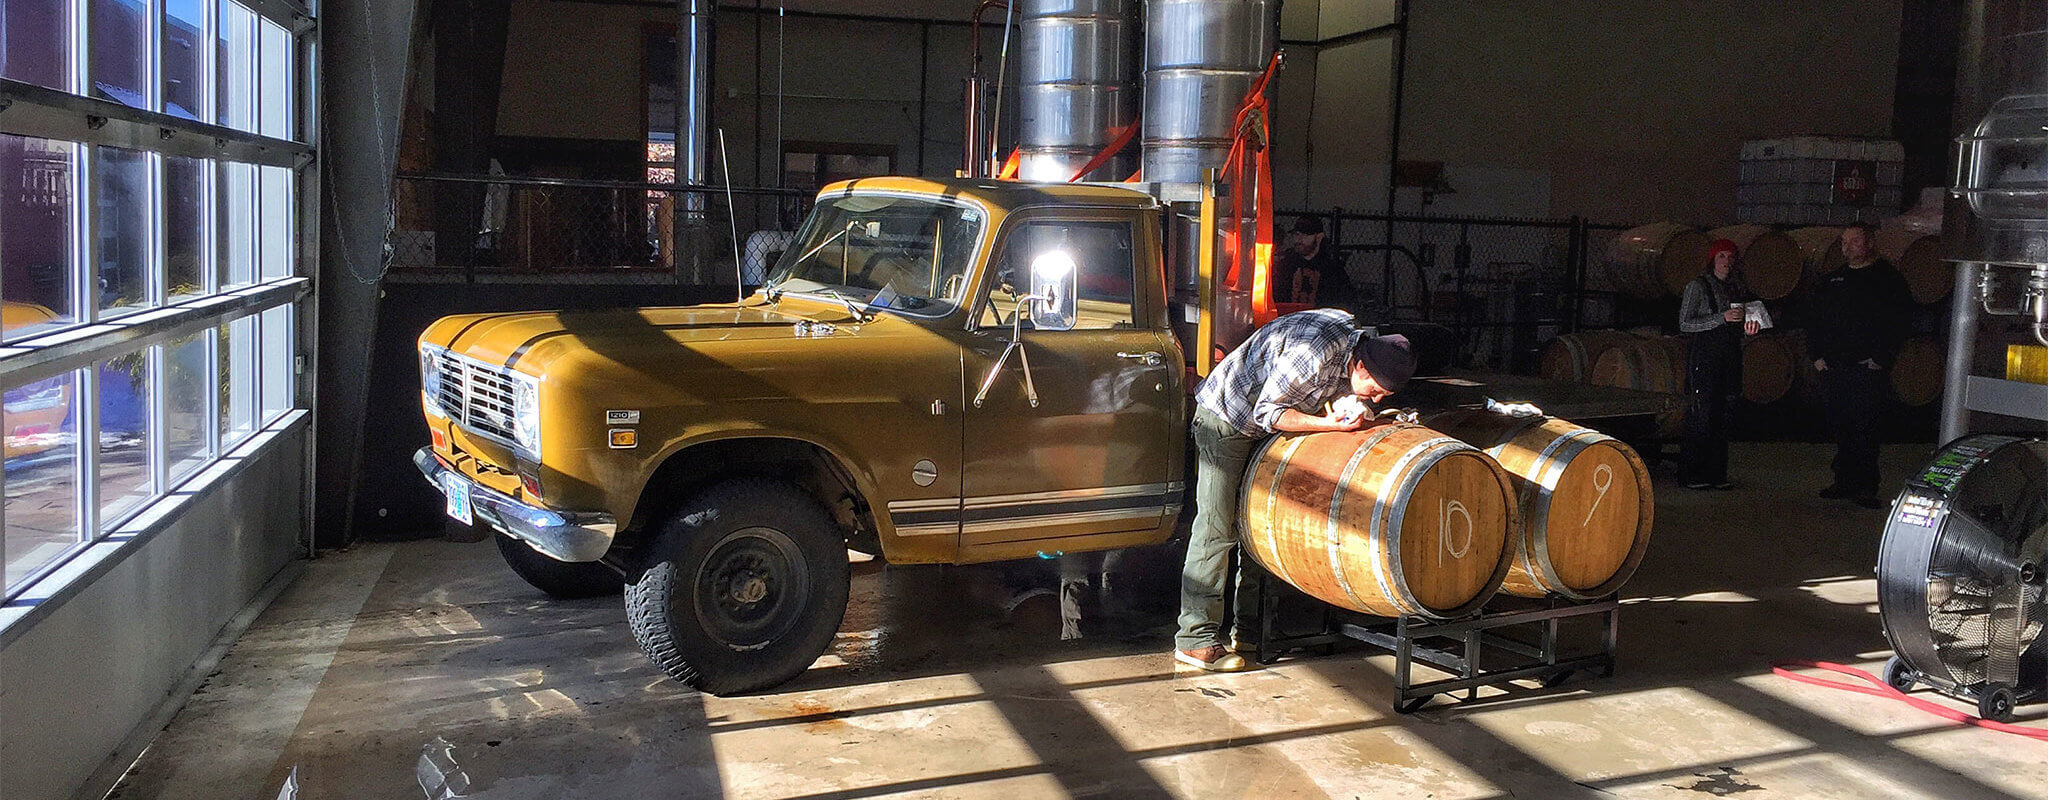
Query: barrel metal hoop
{"points": [[1549, 469], [1508, 437], [1390, 574], [1336, 510]]}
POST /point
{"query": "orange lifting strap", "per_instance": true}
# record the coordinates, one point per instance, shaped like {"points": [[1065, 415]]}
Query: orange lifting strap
{"points": [[1124, 136], [1251, 141]]}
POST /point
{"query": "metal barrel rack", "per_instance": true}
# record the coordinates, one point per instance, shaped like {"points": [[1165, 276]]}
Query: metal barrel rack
{"points": [[1529, 636]]}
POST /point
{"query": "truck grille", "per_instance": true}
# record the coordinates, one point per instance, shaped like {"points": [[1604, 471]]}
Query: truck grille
{"points": [[478, 396]]}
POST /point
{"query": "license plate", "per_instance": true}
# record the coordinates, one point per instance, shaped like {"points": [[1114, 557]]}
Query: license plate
{"points": [[457, 490]]}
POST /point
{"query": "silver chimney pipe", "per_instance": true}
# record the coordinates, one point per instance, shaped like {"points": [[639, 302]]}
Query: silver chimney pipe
{"points": [[1201, 57], [1077, 86]]}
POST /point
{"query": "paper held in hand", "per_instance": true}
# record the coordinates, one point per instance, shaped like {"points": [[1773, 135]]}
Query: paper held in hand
{"points": [[1754, 311]]}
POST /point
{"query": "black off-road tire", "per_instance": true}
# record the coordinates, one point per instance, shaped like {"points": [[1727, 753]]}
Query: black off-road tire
{"points": [[563, 580], [749, 589]]}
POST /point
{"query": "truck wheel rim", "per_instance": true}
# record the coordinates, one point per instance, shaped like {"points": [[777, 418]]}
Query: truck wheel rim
{"points": [[751, 588]]}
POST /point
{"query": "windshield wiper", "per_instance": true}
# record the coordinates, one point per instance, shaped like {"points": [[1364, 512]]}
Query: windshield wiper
{"points": [[860, 313]]}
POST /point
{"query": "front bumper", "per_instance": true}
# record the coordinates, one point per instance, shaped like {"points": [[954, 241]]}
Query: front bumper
{"points": [[561, 535]]}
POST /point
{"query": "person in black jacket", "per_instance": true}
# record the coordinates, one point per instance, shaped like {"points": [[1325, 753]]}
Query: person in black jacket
{"points": [[1711, 317], [1309, 271], [1858, 319]]}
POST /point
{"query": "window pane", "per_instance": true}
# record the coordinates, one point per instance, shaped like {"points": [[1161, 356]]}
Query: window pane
{"points": [[35, 234], [1100, 250], [42, 474], [188, 182], [238, 381], [121, 210], [238, 224], [124, 474], [277, 81], [277, 361], [189, 396], [235, 62], [277, 222], [120, 51], [184, 62], [35, 37]]}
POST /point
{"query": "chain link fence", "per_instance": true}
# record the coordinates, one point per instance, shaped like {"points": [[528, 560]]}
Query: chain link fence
{"points": [[1503, 286], [484, 229]]}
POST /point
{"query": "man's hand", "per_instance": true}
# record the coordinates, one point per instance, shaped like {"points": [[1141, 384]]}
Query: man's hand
{"points": [[1871, 363], [1732, 315], [1752, 327], [1820, 364]]}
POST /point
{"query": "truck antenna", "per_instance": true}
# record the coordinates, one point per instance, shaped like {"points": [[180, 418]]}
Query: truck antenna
{"points": [[739, 275]]}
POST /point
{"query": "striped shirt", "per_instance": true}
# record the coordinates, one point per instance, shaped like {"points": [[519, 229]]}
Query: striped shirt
{"points": [[1300, 361]]}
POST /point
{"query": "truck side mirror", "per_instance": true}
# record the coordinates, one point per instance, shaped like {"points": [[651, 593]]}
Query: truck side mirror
{"points": [[1054, 285]]}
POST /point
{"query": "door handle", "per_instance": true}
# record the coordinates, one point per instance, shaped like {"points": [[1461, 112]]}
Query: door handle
{"points": [[1152, 358]]}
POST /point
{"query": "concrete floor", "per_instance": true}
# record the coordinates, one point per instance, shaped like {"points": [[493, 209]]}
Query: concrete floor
{"points": [[942, 684]]}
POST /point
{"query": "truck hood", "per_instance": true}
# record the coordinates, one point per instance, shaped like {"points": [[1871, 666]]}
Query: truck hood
{"points": [[529, 340]]}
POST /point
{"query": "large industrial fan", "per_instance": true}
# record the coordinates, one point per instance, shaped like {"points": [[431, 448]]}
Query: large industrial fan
{"points": [[1960, 575]]}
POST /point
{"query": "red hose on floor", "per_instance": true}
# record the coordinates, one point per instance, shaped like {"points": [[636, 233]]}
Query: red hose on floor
{"points": [[1878, 688]]}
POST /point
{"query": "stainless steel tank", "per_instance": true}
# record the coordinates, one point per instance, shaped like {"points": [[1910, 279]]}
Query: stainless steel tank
{"points": [[1201, 57], [1996, 228], [1077, 86]]}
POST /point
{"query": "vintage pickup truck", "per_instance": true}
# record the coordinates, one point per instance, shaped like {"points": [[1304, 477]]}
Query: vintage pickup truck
{"points": [[880, 393]]}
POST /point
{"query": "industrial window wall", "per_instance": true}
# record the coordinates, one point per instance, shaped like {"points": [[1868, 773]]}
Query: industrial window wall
{"points": [[149, 254]]}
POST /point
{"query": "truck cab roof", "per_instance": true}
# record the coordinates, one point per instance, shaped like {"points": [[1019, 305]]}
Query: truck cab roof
{"points": [[999, 195]]}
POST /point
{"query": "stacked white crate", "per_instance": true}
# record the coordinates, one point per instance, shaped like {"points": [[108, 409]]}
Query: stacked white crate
{"points": [[1791, 181]]}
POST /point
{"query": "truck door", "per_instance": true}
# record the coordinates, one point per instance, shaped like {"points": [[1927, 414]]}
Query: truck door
{"points": [[1097, 457]]}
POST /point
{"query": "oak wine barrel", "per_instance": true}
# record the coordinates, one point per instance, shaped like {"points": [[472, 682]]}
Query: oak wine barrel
{"points": [[1570, 357], [1649, 365], [1397, 520], [1657, 259], [1772, 262], [1585, 498], [1917, 257], [1772, 365], [1917, 375]]}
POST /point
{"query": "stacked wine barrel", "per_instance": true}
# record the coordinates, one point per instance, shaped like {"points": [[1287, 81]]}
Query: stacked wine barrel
{"points": [[1659, 259], [1773, 263], [1432, 521], [1656, 259]]}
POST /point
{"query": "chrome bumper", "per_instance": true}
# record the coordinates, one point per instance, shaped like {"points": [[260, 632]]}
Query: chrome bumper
{"points": [[561, 535]]}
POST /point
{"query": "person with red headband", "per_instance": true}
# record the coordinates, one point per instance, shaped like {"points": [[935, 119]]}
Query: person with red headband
{"points": [[1711, 316]]}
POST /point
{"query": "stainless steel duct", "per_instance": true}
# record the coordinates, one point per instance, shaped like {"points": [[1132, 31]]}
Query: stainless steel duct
{"points": [[1077, 86], [1201, 57]]}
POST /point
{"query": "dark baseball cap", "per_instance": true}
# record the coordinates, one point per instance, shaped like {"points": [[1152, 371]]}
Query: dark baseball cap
{"points": [[1308, 224], [1389, 359]]}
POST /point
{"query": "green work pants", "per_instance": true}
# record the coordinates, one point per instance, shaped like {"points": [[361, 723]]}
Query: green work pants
{"points": [[1221, 456]]}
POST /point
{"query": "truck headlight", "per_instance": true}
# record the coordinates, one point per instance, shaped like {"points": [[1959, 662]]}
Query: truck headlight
{"points": [[430, 380], [526, 412]]}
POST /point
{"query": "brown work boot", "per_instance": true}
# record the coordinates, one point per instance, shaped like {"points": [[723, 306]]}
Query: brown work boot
{"points": [[1213, 658]]}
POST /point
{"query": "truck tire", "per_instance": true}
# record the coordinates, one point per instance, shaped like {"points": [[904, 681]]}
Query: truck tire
{"points": [[749, 589], [562, 580]]}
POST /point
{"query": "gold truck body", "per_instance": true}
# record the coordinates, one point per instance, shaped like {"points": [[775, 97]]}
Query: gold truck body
{"points": [[884, 393]]}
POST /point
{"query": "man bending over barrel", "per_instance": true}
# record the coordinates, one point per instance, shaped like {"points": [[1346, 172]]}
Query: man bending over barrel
{"points": [[1283, 379]]}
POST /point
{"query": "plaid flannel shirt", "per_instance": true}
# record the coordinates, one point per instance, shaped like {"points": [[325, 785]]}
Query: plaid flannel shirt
{"points": [[1299, 361]]}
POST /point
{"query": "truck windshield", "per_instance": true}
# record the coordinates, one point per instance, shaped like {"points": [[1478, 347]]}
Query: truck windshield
{"points": [[903, 254]]}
